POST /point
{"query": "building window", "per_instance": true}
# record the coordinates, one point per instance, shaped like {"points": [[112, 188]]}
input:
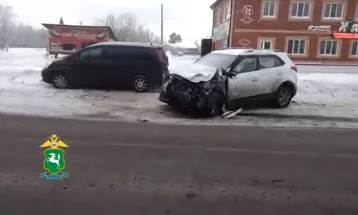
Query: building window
{"points": [[300, 10], [228, 11], [333, 10], [269, 8], [328, 47], [265, 44], [226, 14], [296, 47], [354, 51], [219, 16]]}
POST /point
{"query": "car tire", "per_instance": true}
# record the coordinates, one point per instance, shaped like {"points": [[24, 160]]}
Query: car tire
{"points": [[283, 96], [139, 83], [60, 81], [215, 104]]}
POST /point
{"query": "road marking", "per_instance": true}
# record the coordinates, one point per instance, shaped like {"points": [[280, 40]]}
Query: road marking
{"points": [[210, 149]]}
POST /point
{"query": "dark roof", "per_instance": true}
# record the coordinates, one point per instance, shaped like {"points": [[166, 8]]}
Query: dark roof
{"points": [[127, 44], [216, 3], [99, 27]]}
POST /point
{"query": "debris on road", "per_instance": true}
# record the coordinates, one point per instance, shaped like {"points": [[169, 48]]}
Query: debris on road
{"points": [[231, 114]]}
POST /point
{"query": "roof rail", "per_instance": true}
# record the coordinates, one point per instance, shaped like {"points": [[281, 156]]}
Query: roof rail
{"points": [[235, 48]]}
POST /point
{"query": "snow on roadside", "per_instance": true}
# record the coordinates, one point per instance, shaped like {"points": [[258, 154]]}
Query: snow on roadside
{"points": [[327, 88], [22, 91]]}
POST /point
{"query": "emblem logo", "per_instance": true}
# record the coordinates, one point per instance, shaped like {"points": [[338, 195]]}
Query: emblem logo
{"points": [[54, 161]]}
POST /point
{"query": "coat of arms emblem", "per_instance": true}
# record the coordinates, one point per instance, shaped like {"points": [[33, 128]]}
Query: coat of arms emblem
{"points": [[54, 161]]}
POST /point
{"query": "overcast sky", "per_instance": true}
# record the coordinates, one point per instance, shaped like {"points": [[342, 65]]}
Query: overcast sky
{"points": [[191, 18]]}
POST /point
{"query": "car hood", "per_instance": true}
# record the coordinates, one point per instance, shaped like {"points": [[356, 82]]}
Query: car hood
{"points": [[194, 72]]}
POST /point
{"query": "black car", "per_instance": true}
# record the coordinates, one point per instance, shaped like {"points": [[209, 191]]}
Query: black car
{"points": [[110, 65]]}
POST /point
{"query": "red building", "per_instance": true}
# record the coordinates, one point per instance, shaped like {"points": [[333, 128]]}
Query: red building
{"points": [[310, 30], [66, 39]]}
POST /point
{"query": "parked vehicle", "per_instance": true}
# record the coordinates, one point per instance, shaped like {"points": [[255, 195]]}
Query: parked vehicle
{"points": [[231, 78], [110, 64]]}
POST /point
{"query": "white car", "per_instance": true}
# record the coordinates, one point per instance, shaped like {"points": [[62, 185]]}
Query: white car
{"points": [[231, 77]]}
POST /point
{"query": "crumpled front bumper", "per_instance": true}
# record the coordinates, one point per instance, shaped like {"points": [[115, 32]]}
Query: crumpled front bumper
{"points": [[181, 92]]}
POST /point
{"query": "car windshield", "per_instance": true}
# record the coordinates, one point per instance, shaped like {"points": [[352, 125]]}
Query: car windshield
{"points": [[217, 60]]}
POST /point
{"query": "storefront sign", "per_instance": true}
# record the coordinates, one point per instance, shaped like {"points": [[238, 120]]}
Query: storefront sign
{"points": [[247, 10], [348, 27], [348, 30], [78, 34], [319, 28]]}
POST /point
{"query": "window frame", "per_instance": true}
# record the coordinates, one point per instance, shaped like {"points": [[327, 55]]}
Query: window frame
{"points": [[243, 58], [225, 12], [351, 49], [265, 39], [90, 49], [265, 56], [219, 16], [228, 15], [330, 2], [275, 10], [310, 10], [306, 49], [339, 47]]}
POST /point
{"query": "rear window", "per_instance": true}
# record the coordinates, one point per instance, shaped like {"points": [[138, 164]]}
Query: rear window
{"points": [[217, 60], [285, 59]]}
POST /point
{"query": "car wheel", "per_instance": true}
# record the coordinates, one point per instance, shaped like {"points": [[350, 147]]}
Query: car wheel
{"points": [[284, 95], [60, 81], [215, 104], [140, 83]]}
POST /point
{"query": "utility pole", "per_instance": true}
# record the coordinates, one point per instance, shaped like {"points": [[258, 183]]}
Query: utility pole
{"points": [[161, 23]]}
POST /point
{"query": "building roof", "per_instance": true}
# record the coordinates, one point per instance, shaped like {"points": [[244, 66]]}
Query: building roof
{"points": [[216, 3], [84, 27]]}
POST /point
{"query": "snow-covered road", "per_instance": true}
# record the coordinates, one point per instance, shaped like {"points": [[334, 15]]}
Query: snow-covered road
{"points": [[326, 91]]}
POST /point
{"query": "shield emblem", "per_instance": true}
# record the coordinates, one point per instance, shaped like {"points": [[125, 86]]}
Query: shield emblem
{"points": [[54, 160]]}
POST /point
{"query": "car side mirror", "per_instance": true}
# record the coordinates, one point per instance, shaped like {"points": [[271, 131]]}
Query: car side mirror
{"points": [[229, 73]]}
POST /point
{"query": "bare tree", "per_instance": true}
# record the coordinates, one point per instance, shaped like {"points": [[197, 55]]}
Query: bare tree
{"points": [[126, 28], [6, 17]]}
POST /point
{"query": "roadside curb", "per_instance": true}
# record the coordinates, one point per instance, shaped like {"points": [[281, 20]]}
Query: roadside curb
{"points": [[303, 116]]}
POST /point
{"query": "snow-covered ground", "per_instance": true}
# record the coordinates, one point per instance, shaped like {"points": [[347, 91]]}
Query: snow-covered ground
{"points": [[323, 91]]}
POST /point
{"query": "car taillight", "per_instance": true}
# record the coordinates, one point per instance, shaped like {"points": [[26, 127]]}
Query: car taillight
{"points": [[294, 68], [159, 55]]}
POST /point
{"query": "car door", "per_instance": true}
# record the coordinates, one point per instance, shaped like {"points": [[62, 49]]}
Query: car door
{"points": [[120, 62], [89, 66], [267, 74], [244, 84]]}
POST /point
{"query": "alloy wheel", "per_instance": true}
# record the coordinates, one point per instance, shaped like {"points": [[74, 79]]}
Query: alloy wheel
{"points": [[140, 84], [60, 81], [284, 97]]}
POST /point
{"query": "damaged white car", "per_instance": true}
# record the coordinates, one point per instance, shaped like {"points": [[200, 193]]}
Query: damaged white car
{"points": [[230, 79]]}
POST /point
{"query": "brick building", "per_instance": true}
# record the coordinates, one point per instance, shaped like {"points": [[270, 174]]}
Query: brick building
{"points": [[310, 30]]}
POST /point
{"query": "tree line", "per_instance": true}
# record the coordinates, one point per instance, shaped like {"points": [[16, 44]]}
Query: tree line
{"points": [[125, 26]]}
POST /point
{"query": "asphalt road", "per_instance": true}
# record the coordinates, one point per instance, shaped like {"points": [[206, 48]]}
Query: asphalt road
{"points": [[140, 168]]}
